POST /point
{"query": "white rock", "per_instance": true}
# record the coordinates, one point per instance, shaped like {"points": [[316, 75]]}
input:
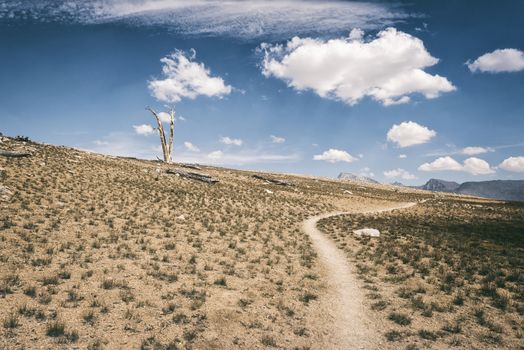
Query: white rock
{"points": [[181, 217], [348, 192], [371, 232], [268, 191]]}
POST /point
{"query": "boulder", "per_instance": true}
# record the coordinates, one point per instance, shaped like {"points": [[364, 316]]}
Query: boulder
{"points": [[371, 232]]}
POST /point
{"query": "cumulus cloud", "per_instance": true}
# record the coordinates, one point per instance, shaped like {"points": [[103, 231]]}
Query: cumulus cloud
{"points": [[402, 156], [215, 155], [515, 164], [190, 147], [472, 165], [389, 68], [441, 164], [477, 166], [409, 133], [244, 19], [399, 173], [471, 151], [498, 61], [144, 129], [277, 139], [335, 155], [230, 141], [184, 78]]}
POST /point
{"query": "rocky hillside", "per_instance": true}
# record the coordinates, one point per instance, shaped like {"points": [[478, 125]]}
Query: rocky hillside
{"points": [[440, 185], [497, 189]]}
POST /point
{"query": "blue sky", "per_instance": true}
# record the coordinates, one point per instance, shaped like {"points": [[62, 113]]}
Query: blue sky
{"points": [[80, 74]]}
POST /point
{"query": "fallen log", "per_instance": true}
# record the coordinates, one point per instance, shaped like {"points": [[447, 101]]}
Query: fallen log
{"points": [[193, 176], [191, 166], [14, 154], [273, 181]]}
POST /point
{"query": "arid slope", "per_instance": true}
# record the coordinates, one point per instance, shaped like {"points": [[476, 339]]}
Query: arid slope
{"points": [[105, 252]]}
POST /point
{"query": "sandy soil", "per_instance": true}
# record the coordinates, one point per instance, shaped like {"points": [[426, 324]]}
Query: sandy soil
{"points": [[348, 325]]}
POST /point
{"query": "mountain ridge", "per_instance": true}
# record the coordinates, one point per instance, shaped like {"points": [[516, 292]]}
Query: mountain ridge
{"points": [[512, 190]]}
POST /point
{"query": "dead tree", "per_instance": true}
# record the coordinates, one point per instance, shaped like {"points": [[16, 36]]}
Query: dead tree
{"points": [[167, 147]]}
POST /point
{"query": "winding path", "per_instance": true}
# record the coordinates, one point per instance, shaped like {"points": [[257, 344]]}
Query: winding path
{"points": [[344, 321]]}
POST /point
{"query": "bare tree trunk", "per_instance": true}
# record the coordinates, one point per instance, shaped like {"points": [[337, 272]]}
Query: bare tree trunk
{"points": [[171, 131], [167, 148]]}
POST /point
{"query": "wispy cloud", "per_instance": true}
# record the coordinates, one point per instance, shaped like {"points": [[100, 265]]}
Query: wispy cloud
{"points": [[231, 141], [253, 156], [468, 150], [244, 19], [277, 139], [132, 145]]}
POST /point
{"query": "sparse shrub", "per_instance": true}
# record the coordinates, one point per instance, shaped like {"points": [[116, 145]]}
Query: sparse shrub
{"points": [[399, 318], [11, 321], [307, 297], [428, 335], [55, 329], [394, 335], [220, 282], [268, 341], [379, 305]]}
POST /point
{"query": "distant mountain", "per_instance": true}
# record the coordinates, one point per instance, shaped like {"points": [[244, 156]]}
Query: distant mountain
{"points": [[512, 190], [357, 178], [398, 184], [437, 185]]}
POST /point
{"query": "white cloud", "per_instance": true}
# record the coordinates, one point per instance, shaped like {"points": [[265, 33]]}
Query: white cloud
{"points": [[183, 78], [100, 143], [477, 166], [498, 61], [366, 172], [190, 147], [402, 156], [164, 117], [277, 139], [239, 158], [126, 144], [388, 68], [409, 133], [144, 129], [471, 151], [399, 173], [216, 155], [335, 155], [229, 141], [472, 165], [515, 164], [244, 19], [441, 164]]}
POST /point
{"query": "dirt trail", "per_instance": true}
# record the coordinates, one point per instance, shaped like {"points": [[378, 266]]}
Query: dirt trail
{"points": [[343, 320]]}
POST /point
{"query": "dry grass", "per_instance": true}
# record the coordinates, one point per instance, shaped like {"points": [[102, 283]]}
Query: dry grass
{"points": [[446, 273], [105, 252]]}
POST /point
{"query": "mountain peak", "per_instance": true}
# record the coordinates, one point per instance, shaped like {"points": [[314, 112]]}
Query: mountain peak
{"points": [[357, 178]]}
